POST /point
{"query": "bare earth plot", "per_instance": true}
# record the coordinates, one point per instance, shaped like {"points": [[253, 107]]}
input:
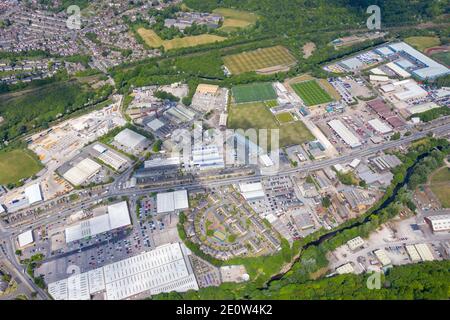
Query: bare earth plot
{"points": [[264, 60], [308, 49], [153, 40], [258, 116]]}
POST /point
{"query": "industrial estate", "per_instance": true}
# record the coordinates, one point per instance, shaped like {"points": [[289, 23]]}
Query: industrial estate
{"points": [[149, 176]]}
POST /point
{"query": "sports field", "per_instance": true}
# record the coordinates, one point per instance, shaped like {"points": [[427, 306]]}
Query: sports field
{"points": [[311, 93], [258, 116], [16, 165], [259, 59], [235, 19], [254, 92], [285, 117], [153, 40], [271, 103], [440, 185]]}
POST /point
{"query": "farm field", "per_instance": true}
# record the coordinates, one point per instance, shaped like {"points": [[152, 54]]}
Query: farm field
{"points": [[235, 19], [443, 57], [258, 116], [153, 40], [423, 43], [440, 185], [311, 93], [274, 58], [254, 92], [16, 165]]}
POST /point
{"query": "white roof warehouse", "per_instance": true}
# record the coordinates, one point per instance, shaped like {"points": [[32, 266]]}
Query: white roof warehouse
{"points": [[172, 201], [345, 134], [130, 139], [33, 193], [164, 269], [82, 171], [117, 217]]}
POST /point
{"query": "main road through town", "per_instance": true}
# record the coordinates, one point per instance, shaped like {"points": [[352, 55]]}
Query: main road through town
{"points": [[439, 128]]}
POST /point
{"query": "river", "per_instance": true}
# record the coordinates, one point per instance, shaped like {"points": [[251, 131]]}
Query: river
{"points": [[331, 234]]}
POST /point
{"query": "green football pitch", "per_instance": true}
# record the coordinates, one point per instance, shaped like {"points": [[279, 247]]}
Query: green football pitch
{"points": [[254, 92], [311, 93]]}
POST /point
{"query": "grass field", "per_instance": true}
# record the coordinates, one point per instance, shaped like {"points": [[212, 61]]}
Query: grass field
{"points": [[258, 116], [16, 165], [235, 19], [254, 92], [443, 57], [284, 117], [423, 43], [311, 93], [153, 40], [259, 59], [440, 185], [271, 103]]}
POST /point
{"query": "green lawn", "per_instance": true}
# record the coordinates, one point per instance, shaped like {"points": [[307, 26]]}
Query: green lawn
{"points": [[254, 92], [271, 103], [443, 57], [440, 185], [423, 43], [16, 165], [262, 58], [258, 116], [285, 117], [311, 93], [235, 19]]}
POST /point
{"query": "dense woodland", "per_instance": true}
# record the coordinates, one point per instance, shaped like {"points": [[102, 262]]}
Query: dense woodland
{"points": [[37, 107], [293, 16]]}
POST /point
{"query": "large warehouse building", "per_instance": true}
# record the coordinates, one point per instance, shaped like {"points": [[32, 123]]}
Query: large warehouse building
{"points": [[172, 201], [33, 193], [82, 171], [112, 159], [164, 269], [380, 126], [345, 134], [431, 69], [131, 140], [252, 191], [25, 239], [439, 223], [117, 217]]}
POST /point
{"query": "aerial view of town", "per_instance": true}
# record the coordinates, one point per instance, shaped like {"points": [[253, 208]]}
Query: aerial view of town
{"points": [[224, 150]]}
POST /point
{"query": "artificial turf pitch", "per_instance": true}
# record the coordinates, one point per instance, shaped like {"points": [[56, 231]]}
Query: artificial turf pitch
{"points": [[254, 92]]}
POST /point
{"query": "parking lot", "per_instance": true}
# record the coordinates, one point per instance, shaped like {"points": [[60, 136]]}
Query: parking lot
{"points": [[99, 250]]}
